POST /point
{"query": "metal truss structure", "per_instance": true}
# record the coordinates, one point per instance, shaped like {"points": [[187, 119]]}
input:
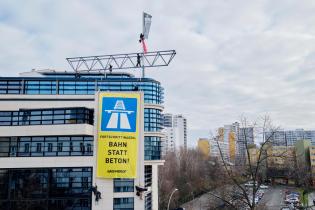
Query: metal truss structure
{"points": [[121, 61]]}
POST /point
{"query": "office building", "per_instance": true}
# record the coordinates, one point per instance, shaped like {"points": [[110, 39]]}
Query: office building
{"points": [[175, 133], [48, 149]]}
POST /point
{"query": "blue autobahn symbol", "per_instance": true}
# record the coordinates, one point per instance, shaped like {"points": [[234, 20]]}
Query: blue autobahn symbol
{"points": [[119, 114]]}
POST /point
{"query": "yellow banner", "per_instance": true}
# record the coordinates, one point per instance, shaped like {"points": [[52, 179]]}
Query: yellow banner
{"points": [[118, 134]]}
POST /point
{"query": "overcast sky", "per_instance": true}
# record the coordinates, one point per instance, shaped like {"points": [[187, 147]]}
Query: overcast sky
{"points": [[234, 57]]}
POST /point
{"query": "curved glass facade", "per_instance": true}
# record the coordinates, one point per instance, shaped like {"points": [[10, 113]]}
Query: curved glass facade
{"points": [[153, 92], [152, 148], [152, 120], [83, 84]]}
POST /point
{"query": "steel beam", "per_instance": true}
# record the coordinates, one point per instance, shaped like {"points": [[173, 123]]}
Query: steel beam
{"points": [[121, 61]]}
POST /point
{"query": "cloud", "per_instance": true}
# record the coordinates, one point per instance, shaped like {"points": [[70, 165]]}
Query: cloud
{"points": [[233, 57]]}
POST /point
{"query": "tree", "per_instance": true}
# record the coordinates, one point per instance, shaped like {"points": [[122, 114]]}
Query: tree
{"points": [[189, 172], [250, 165]]}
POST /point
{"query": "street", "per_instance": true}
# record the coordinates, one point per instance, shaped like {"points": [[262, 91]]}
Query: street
{"points": [[273, 199], [200, 203]]}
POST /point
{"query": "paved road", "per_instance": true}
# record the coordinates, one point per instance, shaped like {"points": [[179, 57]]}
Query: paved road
{"points": [[200, 203], [203, 202], [273, 199]]}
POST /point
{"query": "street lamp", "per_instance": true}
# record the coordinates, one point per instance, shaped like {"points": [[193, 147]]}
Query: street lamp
{"points": [[168, 205]]}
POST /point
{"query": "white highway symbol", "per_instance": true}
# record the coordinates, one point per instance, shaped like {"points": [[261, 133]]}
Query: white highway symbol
{"points": [[119, 111]]}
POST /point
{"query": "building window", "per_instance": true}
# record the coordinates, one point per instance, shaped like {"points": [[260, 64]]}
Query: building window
{"points": [[71, 147], [152, 148], [85, 182], [148, 202], [148, 175], [123, 185], [152, 120], [59, 147], [47, 116], [12, 150], [123, 204], [50, 147], [38, 147], [82, 148], [46, 146], [26, 148], [89, 148], [153, 92], [46, 188]]}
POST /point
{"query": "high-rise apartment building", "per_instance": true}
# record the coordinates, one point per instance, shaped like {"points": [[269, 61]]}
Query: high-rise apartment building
{"points": [[289, 137], [48, 149], [175, 132], [219, 149], [214, 148], [230, 136], [236, 138], [245, 137]]}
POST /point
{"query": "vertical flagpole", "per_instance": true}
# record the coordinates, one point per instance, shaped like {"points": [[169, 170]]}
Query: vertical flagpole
{"points": [[143, 25], [146, 23]]}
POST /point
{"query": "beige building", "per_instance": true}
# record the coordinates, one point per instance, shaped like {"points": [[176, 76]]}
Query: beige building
{"points": [[281, 164], [281, 156], [253, 155]]}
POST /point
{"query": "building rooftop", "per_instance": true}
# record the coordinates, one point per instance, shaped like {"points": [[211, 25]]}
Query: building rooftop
{"points": [[72, 74]]}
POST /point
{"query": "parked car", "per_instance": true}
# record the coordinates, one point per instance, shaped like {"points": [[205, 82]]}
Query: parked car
{"points": [[263, 186], [295, 194], [251, 184], [292, 196], [293, 200], [292, 193]]}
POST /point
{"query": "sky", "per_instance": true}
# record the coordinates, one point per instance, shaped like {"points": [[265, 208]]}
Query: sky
{"points": [[234, 57]]}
